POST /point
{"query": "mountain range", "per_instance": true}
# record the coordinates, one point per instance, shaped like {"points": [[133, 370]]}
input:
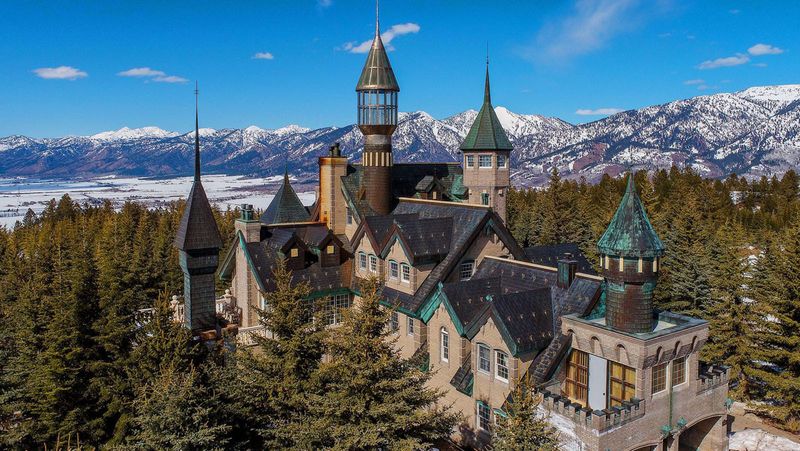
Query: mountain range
{"points": [[753, 132]]}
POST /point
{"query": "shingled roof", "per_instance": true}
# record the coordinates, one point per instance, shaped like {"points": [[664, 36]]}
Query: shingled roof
{"points": [[285, 206], [486, 132], [630, 233], [550, 254]]}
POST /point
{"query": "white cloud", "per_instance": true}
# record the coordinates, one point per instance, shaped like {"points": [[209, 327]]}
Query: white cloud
{"points": [[598, 111], [60, 73], [324, 3], [727, 61], [263, 56], [764, 49], [387, 37], [696, 81], [151, 75]]}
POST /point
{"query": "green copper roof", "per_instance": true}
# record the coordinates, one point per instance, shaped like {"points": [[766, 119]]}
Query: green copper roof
{"points": [[630, 233], [285, 207], [377, 72], [486, 132]]}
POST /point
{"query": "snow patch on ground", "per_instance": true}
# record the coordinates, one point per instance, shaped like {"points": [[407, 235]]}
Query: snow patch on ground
{"points": [[759, 440]]}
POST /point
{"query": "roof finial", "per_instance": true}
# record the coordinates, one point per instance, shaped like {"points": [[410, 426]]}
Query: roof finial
{"points": [[377, 18], [487, 96], [196, 135]]}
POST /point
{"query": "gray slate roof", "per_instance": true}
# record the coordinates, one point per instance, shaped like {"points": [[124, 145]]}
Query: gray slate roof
{"points": [[550, 254], [198, 228], [285, 206]]}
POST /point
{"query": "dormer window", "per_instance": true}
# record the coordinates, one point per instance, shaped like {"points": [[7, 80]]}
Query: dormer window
{"points": [[445, 345], [501, 366], [362, 261], [294, 252], [405, 273], [330, 249], [394, 270], [373, 264], [466, 269]]}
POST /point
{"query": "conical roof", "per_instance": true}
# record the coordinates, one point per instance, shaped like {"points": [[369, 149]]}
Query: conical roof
{"points": [[377, 72], [630, 233], [198, 228], [486, 132], [285, 206]]}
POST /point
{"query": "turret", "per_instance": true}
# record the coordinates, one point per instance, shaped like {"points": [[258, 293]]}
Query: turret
{"points": [[377, 90], [198, 242], [629, 255], [487, 157]]}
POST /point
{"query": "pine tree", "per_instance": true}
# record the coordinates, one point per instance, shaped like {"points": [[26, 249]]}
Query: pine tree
{"points": [[524, 427], [373, 399]]}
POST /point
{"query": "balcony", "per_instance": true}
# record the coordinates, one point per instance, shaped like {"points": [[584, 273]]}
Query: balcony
{"points": [[596, 420], [225, 307]]}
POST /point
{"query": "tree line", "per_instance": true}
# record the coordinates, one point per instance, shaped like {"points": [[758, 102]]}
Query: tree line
{"points": [[732, 258]]}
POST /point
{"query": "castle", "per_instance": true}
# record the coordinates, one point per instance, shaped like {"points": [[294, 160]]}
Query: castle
{"points": [[482, 312]]}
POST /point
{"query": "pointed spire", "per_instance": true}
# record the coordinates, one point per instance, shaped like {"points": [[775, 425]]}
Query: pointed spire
{"points": [[196, 135], [377, 19], [487, 95], [377, 72], [630, 233], [486, 132]]}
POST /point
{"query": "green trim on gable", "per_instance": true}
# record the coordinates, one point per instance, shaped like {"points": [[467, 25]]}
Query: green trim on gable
{"points": [[430, 305]]}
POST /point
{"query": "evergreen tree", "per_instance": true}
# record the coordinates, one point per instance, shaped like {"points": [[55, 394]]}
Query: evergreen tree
{"points": [[373, 399], [524, 427]]}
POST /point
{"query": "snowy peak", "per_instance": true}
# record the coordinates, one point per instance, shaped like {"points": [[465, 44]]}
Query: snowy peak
{"points": [[783, 93], [126, 133]]}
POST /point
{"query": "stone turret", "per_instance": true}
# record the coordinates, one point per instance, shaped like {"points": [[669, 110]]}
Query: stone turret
{"points": [[630, 250]]}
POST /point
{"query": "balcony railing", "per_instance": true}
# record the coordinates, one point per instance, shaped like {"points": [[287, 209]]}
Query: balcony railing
{"points": [[225, 307]]}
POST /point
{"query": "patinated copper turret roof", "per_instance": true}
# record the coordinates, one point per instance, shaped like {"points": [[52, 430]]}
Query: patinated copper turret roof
{"points": [[630, 233], [486, 132], [377, 72]]}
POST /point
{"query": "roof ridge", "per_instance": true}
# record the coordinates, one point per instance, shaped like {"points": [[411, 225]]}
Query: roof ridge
{"points": [[542, 267]]}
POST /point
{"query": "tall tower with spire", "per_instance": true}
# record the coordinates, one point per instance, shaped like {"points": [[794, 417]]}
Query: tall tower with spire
{"points": [[629, 251], [377, 90], [487, 157], [198, 242]]}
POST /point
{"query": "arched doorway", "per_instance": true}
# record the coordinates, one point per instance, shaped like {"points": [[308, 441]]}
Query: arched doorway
{"points": [[705, 435]]}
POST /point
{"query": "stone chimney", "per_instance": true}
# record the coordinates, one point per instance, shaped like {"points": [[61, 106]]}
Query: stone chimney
{"points": [[567, 267]]}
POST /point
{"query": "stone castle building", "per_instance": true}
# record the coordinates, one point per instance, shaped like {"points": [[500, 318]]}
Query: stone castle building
{"points": [[482, 312]]}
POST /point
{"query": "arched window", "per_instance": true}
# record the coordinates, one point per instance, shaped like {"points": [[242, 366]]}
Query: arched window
{"points": [[445, 345]]}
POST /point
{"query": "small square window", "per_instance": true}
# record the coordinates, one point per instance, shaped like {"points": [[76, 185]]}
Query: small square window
{"points": [[294, 252], [470, 161], [394, 269], [405, 273], [485, 161], [501, 161], [330, 249]]}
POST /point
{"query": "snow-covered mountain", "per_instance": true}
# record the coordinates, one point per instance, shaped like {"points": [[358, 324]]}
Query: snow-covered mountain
{"points": [[752, 132]]}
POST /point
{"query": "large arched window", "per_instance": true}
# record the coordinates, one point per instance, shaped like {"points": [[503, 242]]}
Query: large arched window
{"points": [[445, 345]]}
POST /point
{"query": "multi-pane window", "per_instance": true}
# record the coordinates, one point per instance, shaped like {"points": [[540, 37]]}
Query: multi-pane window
{"points": [[410, 325], [373, 263], [484, 416], [484, 359], [659, 378], [334, 305], [622, 381], [485, 161], [349, 215], [501, 161], [445, 345], [405, 273], [470, 160], [362, 261], [577, 383], [501, 366], [678, 371], [330, 249], [394, 269], [484, 198], [466, 269], [394, 322]]}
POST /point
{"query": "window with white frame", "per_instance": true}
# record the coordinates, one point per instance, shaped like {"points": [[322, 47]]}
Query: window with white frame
{"points": [[445, 345], [362, 261], [485, 161], [410, 325], [394, 269], [484, 418], [501, 161], [466, 269], [405, 273], [373, 263], [470, 161], [484, 359], [501, 366], [334, 305], [394, 322]]}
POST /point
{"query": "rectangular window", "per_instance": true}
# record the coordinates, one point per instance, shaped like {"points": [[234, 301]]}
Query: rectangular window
{"points": [[294, 252], [659, 378], [394, 322], [484, 198], [470, 161], [410, 325], [445, 346], [622, 382], [362, 261], [349, 216], [655, 265], [334, 305], [577, 383], [394, 269], [466, 270], [678, 371], [405, 273], [641, 265], [501, 366], [485, 161], [484, 416], [501, 161], [484, 362], [621, 264], [330, 249], [373, 263]]}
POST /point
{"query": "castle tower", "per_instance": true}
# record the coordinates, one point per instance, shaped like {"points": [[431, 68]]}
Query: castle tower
{"points": [[198, 242], [377, 90], [487, 157], [629, 252]]}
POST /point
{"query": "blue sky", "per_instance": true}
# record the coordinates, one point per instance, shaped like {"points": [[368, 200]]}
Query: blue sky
{"points": [[81, 67]]}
